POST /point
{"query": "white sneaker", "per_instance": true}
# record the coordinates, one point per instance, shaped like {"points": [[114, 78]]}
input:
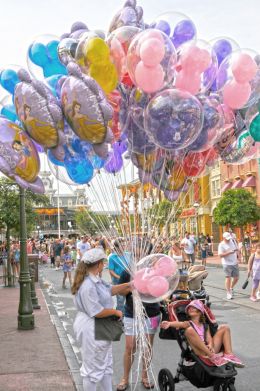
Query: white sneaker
{"points": [[232, 291], [258, 295], [56, 268], [229, 296]]}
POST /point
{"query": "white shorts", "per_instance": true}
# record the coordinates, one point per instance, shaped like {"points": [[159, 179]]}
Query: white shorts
{"points": [[151, 325]]}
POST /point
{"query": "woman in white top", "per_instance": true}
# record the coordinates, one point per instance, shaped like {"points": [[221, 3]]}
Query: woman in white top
{"points": [[93, 299]]}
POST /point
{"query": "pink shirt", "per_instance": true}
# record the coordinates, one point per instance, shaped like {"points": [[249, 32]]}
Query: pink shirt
{"points": [[200, 330]]}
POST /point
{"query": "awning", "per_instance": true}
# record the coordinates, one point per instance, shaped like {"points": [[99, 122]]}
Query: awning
{"points": [[250, 181], [227, 185], [237, 184]]}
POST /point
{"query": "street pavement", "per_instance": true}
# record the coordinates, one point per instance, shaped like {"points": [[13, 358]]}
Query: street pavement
{"points": [[241, 314]]}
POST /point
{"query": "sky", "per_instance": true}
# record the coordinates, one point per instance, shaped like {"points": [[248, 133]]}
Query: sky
{"points": [[23, 20]]}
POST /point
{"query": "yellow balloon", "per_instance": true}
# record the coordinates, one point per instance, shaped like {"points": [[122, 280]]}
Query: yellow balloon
{"points": [[105, 75], [97, 51]]}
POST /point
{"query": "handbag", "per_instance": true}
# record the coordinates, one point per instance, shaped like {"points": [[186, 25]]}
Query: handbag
{"points": [[108, 329], [245, 283]]}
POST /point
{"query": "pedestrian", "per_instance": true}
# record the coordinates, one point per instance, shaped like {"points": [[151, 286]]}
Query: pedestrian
{"points": [[254, 271], [83, 246], [67, 266], [16, 258], [188, 244], [228, 251], [57, 251], [204, 251], [200, 339], [93, 299], [210, 244], [73, 256], [117, 262]]}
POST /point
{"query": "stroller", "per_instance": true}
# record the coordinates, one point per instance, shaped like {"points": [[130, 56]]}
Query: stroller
{"points": [[199, 371], [191, 283]]}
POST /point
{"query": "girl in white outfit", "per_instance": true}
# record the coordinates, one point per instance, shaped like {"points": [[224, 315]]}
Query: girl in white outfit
{"points": [[93, 298]]}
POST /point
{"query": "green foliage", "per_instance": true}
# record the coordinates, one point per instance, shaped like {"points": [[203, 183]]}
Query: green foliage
{"points": [[163, 213], [9, 206], [90, 222], [237, 208]]}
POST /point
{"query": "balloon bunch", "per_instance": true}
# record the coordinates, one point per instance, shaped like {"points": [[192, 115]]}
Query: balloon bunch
{"points": [[170, 101]]}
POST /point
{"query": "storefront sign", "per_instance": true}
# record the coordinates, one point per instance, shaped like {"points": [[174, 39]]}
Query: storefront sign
{"points": [[188, 213]]}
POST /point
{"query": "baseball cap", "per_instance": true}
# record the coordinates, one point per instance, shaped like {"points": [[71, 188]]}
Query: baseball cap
{"points": [[227, 235], [93, 255], [196, 304]]}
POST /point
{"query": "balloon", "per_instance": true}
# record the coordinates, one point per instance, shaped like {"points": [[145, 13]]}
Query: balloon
{"points": [[165, 267], [138, 139], [177, 26], [236, 151], [244, 68], [194, 163], [38, 110], [254, 129], [236, 95], [238, 79], [151, 58], [19, 159], [130, 15], [76, 31], [158, 286], [119, 41], [42, 57], [114, 162], [67, 50], [196, 68], [223, 47], [152, 52], [85, 106], [173, 119], [149, 79], [78, 169], [9, 78], [152, 287]]}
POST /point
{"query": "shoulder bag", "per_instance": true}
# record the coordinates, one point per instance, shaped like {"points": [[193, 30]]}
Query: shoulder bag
{"points": [[108, 329]]}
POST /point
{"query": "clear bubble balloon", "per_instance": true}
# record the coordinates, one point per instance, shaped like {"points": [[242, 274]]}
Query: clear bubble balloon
{"points": [[252, 119], [238, 79], [42, 57], [196, 68], [156, 277], [179, 27], [238, 150], [60, 173], [151, 59], [67, 50], [119, 41], [173, 119]]}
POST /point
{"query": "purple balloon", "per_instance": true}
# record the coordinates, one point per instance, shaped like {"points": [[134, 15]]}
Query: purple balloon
{"points": [[163, 26], [171, 195], [129, 15], [114, 162], [173, 119], [222, 48], [184, 31], [138, 139]]}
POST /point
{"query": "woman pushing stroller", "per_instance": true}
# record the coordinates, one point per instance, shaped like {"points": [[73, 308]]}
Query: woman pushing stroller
{"points": [[198, 335]]}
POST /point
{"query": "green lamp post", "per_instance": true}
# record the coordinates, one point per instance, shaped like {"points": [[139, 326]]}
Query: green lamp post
{"points": [[25, 310]]}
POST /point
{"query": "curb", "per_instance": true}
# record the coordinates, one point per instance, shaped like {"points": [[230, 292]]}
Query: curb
{"points": [[68, 351]]}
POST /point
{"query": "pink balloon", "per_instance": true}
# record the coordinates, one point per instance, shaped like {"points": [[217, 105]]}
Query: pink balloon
{"points": [[188, 81], [141, 279], [165, 267], [244, 68], [204, 60], [152, 51], [158, 286], [149, 79], [236, 95], [190, 59]]}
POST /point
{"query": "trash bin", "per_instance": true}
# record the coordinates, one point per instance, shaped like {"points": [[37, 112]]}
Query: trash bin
{"points": [[34, 259]]}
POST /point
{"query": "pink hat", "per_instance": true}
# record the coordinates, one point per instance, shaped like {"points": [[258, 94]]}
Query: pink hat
{"points": [[196, 304]]}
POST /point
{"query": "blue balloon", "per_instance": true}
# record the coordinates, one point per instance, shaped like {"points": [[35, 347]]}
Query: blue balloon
{"points": [[38, 54], [80, 170], [97, 162], [54, 68], [9, 112], [53, 159], [163, 26], [9, 79], [52, 50], [52, 82]]}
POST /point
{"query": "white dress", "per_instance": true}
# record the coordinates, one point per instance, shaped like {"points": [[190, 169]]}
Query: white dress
{"points": [[93, 296]]}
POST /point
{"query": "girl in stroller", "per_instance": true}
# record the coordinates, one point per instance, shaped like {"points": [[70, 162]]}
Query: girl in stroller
{"points": [[200, 339]]}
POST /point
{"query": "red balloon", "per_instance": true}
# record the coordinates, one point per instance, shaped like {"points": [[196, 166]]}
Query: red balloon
{"points": [[194, 163], [114, 99]]}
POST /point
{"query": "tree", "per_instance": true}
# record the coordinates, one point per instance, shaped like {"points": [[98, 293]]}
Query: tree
{"points": [[162, 214], [9, 211], [237, 208], [90, 222]]}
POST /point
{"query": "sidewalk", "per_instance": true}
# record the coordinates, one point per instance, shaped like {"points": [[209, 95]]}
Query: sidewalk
{"points": [[30, 360]]}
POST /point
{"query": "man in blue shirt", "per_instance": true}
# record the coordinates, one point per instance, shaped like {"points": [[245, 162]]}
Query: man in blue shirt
{"points": [[117, 263]]}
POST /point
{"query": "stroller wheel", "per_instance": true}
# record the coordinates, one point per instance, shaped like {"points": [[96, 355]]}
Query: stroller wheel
{"points": [[225, 387], [166, 380]]}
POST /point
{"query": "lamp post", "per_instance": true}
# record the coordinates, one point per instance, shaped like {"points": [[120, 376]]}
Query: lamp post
{"points": [[38, 229], [25, 310], [196, 205]]}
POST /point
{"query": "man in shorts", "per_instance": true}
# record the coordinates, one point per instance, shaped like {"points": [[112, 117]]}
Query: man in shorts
{"points": [[228, 251]]}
